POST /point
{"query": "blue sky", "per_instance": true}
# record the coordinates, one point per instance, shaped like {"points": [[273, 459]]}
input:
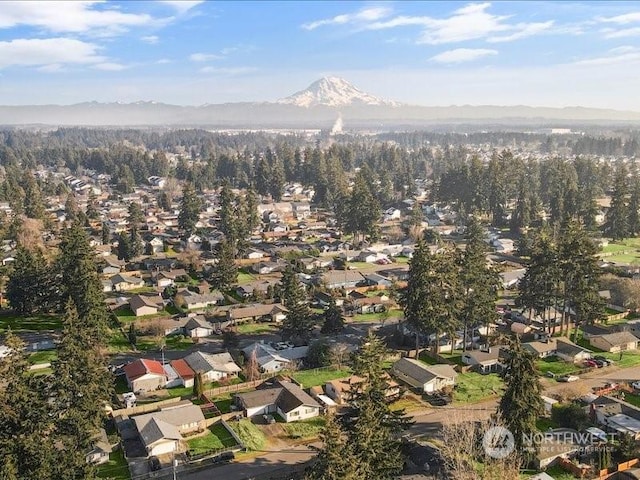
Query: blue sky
{"points": [[424, 53]]}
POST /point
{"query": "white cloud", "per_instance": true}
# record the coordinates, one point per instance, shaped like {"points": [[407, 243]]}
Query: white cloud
{"points": [[620, 55], [48, 51], [204, 57], [369, 14], [610, 33], [80, 16], [163, 61], [622, 19], [181, 6], [470, 22], [110, 67], [150, 39], [523, 31], [53, 68], [460, 55], [230, 71]]}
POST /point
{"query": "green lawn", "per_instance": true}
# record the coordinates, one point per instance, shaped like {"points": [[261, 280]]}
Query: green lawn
{"points": [[543, 424], [473, 387], [29, 323], [306, 429], [624, 258], [313, 378], [251, 436], [116, 468], [556, 366], [454, 357], [256, 328], [118, 342], [629, 358], [244, 277], [173, 342], [556, 472], [632, 398], [407, 404], [125, 315], [45, 356], [614, 247], [216, 438]]}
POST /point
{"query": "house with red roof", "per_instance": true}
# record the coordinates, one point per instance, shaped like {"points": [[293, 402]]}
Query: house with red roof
{"points": [[184, 371], [145, 375]]}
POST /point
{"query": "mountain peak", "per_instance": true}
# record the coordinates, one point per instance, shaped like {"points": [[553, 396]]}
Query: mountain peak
{"points": [[332, 92]]}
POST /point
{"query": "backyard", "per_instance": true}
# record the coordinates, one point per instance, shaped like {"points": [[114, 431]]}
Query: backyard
{"points": [[556, 366], [116, 468], [315, 377], [256, 328], [29, 323], [44, 356], [473, 387]]}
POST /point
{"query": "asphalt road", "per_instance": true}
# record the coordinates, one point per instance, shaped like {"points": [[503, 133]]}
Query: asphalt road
{"points": [[428, 423]]}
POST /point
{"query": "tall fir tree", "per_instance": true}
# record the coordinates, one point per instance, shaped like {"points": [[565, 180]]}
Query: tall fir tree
{"points": [[521, 404], [190, 207], [617, 219], [299, 322]]}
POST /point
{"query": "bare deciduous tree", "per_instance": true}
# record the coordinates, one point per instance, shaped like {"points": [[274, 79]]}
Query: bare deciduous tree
{"points": [[251, 368]]}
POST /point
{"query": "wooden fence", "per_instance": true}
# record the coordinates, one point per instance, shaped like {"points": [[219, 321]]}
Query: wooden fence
{"points": [[146, 408], [214, 392]]}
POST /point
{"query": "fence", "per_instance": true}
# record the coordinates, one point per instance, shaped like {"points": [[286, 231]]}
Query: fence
{"points": [[214, 392], [146, 408], [621, 467]]}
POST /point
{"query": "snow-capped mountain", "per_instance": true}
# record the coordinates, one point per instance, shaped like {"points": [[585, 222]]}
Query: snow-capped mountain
{"points": [[332, 92]]}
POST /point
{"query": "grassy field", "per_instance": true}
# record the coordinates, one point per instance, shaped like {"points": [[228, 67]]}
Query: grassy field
{"points": [[629, 358], [556, 366], [256, 328], [116, 468], [305, 429], [173, 342], [624, 258], [312, 378], [216, 438], [29, 323], [45, 356], [118, 342], [614, 247], [251, 436], [125, 315], [473, 387], [374, 317]]}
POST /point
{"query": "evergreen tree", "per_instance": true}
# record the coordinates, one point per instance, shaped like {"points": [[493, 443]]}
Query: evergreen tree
{"points": [[132, 336], [634, 206], [198, 385], [106, 234], [82, 387], [92, 209], [617, 218], [136, 247], [521, 404], [135, 215], [333, 320], [362, 210], [335, 460], [26, 444], [31, 287], [190, 207], [225, 272], [33, 204], [124, 247], [299, 322], [372, 428]]}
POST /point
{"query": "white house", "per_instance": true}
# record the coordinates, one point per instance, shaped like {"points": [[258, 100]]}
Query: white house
{"points": [[285, 398], [212, 367], [272, 360], [198, 327], [426, 378], [145, 375]]}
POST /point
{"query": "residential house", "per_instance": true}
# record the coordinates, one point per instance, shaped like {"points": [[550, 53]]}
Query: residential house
{"points": [[185, 298], [263, 268], [340, 279], [155, 245], [338, 390], [617, 415], [391, 214], [301, 210], [123, 283], [512, 278], [273, 360], [484, 361], [162, 432], [423, 377], [375, 304], [254, 253], [377, 280], [275, 312], [145, 304], [145, 375], [284, 398], [259, 288], [615, 342], [168, 278], [323, 299], [213, 367], [400, 274], [570, 352], [101, 448], [184, 371], [542, 349], [198, 327]]}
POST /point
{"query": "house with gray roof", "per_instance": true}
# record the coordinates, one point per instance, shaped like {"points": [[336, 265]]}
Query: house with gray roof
{"points": [[274, 360], [162, 432], [198, 326], [615, 342], [212, 367], [485, 361], [423, 377], [285, 398]]}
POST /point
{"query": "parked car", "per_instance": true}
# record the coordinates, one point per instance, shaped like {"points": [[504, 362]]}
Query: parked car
{"points": [[550, 375], [636, 385], [601, 363], [590, 363], [569, 378], [224, 457], [439, 400], [154, 464], [600, 358]]}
